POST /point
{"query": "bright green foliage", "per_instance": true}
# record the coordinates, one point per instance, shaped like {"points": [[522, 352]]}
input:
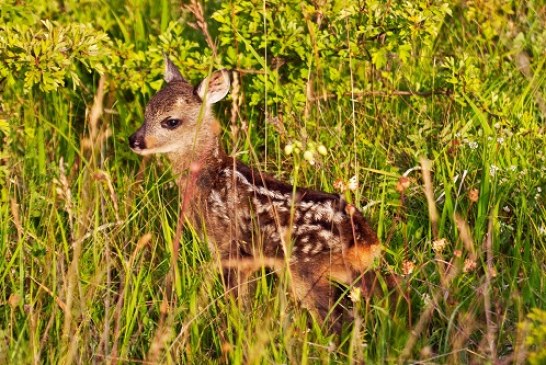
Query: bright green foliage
{"points": [[344, 96], [48, 55], [536, 336], [323, 46]]}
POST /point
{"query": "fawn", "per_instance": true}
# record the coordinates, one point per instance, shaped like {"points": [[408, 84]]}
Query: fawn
{"points": [[250, 219]]}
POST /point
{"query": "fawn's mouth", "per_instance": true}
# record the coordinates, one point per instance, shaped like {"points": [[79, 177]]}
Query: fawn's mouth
{"points": [[138, 151], [141, 151], [136, 143]]}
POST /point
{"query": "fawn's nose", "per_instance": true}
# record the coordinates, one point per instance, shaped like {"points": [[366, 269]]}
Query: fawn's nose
{"points": [[136, 141]]}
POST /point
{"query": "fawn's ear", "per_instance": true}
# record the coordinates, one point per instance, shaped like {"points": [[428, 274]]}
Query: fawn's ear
{"points": [[214, 88], [171, 72]]}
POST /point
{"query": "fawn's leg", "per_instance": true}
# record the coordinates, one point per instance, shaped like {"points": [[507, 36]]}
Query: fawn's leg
{"points": [[236, 281], [312, 288], [396, 287], [236, 271]]}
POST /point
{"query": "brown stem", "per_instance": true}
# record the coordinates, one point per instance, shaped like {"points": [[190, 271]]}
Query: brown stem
{"points": [[363, 94]]}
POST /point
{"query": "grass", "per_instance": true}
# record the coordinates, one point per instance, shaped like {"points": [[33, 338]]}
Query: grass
{"points": [[454, 185]]}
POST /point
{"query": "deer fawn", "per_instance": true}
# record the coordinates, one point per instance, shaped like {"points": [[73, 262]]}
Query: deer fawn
{"points": [[250, 219]]}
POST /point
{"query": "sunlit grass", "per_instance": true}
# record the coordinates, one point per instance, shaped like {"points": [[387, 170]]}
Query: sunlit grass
{"points": [[87, 228]]}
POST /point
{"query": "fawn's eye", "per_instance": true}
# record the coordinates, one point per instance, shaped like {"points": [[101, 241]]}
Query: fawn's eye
{"points": [[171, 123]]}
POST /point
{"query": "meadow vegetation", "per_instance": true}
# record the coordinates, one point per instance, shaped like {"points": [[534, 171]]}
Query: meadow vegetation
{"points": [[430, 116]]}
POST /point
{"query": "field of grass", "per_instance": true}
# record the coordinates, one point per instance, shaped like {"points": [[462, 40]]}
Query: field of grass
{"points": [[430, 117]]}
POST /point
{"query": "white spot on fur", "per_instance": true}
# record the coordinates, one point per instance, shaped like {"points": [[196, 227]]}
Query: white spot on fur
{"points": [[261, 190], [215, 198], [326, 235], [306, 205], [318, 248], [306, 228], [261, 208], [321, 211], [338, 218]]}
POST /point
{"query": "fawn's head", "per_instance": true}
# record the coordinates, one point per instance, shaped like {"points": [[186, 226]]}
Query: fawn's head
{"points": [[179, 119]]}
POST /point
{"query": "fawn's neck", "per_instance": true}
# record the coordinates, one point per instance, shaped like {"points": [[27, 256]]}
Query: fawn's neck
{"points": [[190, 168], [203, 157]]}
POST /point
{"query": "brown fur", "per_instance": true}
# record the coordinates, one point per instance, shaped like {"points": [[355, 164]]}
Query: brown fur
{"points": [[250, 219]]}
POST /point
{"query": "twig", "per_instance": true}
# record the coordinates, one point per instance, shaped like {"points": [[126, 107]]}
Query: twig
{"points": [[426, 315], [429, 193], [196, 9], [57, 300], [95, 230], [491, 330], [419, 327], [143, 241], [96, 109], [523, 64], [235, 97], [248, 71], [362, 94], [16, 219]]}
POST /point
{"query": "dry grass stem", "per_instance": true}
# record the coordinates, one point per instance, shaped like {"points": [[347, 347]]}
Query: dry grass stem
{"points": [[426, 166], [491, 326], [523, 63], [359, 95], [196, 9]]}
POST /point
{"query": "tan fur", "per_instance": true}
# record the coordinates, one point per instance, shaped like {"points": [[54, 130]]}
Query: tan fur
{"points": [[362, 256]]}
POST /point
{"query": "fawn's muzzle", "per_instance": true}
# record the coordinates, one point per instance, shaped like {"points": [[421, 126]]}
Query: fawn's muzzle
{"points": [[136, 140]]}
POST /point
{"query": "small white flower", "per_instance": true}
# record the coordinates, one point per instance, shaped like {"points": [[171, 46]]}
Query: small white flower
{"points": [[426, 299], [539, 189], [513, 168], [500, 140], [469, 265], [309, 157], [353, 183], [288, 149], [506, 208], [473, 145], [439, 245], [542, 230], [322, 150], [355, 294], [493, 170], [340, 185], [407, 267]]}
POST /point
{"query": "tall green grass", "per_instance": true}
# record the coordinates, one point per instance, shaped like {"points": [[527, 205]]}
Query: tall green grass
{"points": [[87, 228]]}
